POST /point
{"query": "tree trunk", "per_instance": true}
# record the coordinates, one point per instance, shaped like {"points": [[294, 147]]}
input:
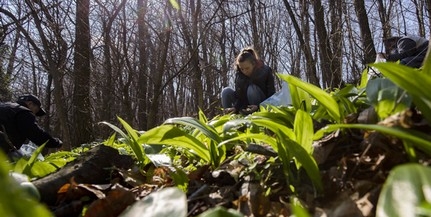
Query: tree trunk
{"points": [[420, 16], [311, 69], [428, 9], [367, 39], [336, 11], [157, 75], [331, 74], [143, 65], [54, 64], [384, 15], [81, 108]]}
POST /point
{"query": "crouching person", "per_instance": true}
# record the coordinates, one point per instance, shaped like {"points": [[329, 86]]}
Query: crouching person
{"points": [[18, 124]]}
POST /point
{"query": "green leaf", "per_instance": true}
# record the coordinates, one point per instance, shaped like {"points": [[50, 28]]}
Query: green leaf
{"points": [[131, 140], [406, 188], [258, 137], [298, 209], [418, 139], [305, 160], [180, 179], [42, 169], [275, 127], [300, 98], [412, 80], [277, 116], [173, 136], [427, 63], [207, 130], [375, 86], [33, 159], [303, 128], [364, 78], [202, 116], [323, 97], [418, 87], [387, 97], [167, 202], [14, 201]]}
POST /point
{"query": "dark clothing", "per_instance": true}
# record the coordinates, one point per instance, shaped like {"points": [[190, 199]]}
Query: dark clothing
{"points": [[262, 77], [411, 51], [19, 124]]}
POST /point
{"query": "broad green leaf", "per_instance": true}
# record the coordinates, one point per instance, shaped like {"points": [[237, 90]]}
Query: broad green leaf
{"points": [[420, 140], [14, 201], [347, 106], [207, 130], [42, 169], [320, 95], [278, 116], [375, 86], [300, 98], [298, 209], [427, 63], [33, 159], [258, 137], [167, 202], [303, 128], [387, 97], [131, 140], [202, 117], [405, 189], [180, 178], [305, 160], [130, 131], [364, 78], [173, 136], [412, 80], [275, 127]]}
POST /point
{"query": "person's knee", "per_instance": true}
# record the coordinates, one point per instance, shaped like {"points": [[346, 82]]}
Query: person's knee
{"points": [[255, 95], [227, 97], [227, 91]]}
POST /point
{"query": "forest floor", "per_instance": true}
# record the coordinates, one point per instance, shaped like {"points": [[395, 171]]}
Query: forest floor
{"points": [[354, 165]]}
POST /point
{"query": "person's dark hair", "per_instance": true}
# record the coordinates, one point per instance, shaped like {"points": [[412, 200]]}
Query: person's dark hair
{"points": [[246, 54]]}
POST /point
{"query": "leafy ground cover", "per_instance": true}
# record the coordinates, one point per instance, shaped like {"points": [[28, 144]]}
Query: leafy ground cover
{"points": [[362, 150]]}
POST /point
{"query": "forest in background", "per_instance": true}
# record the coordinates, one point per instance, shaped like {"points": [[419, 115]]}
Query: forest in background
{"points": [[146, 61]]}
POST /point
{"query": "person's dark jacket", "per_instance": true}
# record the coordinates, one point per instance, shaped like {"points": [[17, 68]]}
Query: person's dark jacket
{"points": [[262, 76], [18, 123], [411, 51]]}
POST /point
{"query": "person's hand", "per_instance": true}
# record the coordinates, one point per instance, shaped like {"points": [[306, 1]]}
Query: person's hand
{"points": [[59, 143], [229, 110], [250, 109]]}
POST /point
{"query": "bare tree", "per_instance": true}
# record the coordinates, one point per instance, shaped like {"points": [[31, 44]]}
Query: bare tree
{"points": [[331, 72], [419, 8], [310, 65], [143, 43], [428, 9], [369, 51], [81, 112]]}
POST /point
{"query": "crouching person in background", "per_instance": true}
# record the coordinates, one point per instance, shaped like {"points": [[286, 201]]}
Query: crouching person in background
{"points": [[254, 82], [18, 124]]}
